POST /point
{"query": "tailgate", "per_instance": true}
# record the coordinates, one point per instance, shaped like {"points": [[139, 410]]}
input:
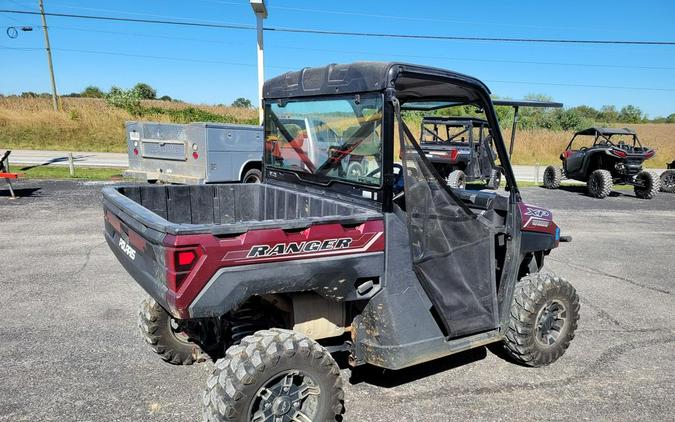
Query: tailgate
{"points": [[164, 150], [139, 249]]}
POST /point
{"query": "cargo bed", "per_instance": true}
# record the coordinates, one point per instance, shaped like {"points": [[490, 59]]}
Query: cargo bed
{"points": [[227, 208]]}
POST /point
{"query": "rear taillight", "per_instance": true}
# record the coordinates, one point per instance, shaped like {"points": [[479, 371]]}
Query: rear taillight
{"points": [[453, 154], [618, 153], [179, 264]]}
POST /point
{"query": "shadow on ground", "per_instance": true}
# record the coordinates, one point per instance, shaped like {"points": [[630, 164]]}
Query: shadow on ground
{"points": [[389, 378], [20, 192], [581, 190]]}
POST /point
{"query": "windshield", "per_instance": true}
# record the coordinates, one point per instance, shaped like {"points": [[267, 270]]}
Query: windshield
{"points": [[337, 138]]}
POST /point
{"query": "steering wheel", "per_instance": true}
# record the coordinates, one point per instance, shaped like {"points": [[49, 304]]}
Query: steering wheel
{"points": [[397, 178]]}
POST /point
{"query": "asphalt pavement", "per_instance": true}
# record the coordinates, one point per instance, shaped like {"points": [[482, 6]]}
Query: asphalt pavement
{"points": [[70, 349]]}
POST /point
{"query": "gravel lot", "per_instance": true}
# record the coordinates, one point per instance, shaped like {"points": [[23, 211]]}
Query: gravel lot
{"points": [[70, 348]]}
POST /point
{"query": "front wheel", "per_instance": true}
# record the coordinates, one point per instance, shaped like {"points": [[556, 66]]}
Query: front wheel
{"points": [[599, 184], [647, 185], [274, 375], [457, 179], [552, 177], [544, 316], [495, 179]]}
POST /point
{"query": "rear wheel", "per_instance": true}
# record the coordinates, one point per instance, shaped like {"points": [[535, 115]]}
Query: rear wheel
{"points": [[544, 316], [668, 181], [355, 170], [599, 184], [166, 336], [274, 375], [457, 179], [648, 185], [252, 176], [552, 177]]}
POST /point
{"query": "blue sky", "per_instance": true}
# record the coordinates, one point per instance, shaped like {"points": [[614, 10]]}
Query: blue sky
{"points": [[216, 65]]}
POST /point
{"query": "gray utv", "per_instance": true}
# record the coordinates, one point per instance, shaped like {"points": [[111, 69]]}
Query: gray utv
{"points": [[603, 157], [387, 265], [461, 150]]}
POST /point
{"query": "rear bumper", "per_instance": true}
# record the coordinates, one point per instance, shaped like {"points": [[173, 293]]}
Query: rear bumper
{"points": [[164, 177]]}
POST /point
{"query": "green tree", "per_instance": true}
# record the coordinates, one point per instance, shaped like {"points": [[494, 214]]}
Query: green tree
{"points": [[165, 98], [145, 91], [630, 114], [242, 102], [586, 111], [92, 92]]}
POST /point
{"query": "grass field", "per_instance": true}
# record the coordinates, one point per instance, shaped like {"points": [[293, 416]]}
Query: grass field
{"points": [[85, 124], [92, 125], [83, 173]]}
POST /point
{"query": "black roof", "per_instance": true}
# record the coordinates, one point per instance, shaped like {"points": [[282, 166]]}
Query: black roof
{"points": [[362, 77], [444, 120], [606, 131], [436, 105]]}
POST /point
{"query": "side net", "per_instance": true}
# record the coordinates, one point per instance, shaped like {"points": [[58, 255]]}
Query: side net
{"points": [[452, 250]]}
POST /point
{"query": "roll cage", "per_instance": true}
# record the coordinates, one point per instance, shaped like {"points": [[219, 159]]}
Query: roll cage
{"points": [[603, 136], [466, 123]]}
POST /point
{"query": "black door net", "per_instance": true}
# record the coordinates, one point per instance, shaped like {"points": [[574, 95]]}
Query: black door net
{"points": [[452, 250]]}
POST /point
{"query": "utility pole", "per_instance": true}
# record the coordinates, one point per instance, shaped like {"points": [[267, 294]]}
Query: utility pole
{"points": [[260, 10], [55, 103]]}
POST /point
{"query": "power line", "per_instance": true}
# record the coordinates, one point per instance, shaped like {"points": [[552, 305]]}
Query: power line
{"points": [[463, 38], [145, 56], [286, 47], [348, 33]]}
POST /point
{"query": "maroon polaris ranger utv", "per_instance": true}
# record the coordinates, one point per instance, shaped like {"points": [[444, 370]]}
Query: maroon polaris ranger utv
{"points": [[389, 265]]}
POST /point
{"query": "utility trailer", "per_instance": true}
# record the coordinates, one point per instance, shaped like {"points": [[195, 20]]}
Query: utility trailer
{"points": [[194, 153]]}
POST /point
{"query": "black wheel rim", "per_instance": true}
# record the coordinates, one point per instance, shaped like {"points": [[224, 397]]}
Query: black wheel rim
{"points": [[178, 331], [593, 185], [669, 181], [288, 396], [550, 323], [548, 178]]}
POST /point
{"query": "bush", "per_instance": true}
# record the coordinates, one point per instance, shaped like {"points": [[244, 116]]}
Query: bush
{"points": [[129, 100], [193, 114]]}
